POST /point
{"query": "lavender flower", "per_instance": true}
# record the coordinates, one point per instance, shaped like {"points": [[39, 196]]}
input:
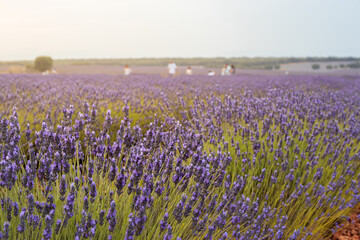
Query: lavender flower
{"points": [[69, 206], [6, 230], [93, 191], [111, 217], [168, 235], [101, 217], [49, 219], [62, 189], [16, 208], [58, 225], [177, 213], [163, 222], [21, 227]]}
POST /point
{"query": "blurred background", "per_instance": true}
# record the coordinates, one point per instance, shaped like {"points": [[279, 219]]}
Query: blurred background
{"points": [[267, 36]]}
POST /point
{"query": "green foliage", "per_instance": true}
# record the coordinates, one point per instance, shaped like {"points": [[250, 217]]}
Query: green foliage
{"points": [[329, 67], [268, 67], [43, 63], [315, 66], [354, 65], [240, 62], [29, 67]]}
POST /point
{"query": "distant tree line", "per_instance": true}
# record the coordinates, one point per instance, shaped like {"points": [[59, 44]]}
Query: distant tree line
{"points": [[355, 65], [243, 62]]}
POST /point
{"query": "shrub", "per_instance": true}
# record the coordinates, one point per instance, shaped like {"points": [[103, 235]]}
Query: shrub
{"points": [[329, 67], [43, 63], [268, 67], [354, 65], [30, 68], [315, 66]]}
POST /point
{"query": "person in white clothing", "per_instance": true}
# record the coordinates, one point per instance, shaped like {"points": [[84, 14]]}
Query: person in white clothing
{"points": [[211, 73], [127, 70], [228, 69], [189, 71], [223, 70], [172, 68]]}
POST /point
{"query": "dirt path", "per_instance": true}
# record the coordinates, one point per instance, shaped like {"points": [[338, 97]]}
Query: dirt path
{"points": [[351, 229]]}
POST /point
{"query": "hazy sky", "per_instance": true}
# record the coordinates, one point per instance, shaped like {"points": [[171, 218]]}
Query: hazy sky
{"points": [[181, 28]]}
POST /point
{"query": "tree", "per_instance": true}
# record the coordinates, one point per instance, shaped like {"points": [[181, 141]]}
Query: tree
{"points": [[268, 67], [329, 67], [43, 63], [354, 65], [315, 66]]}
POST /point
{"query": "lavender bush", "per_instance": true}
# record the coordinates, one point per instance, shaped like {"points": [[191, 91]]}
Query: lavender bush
{"points": [[145, 157]]}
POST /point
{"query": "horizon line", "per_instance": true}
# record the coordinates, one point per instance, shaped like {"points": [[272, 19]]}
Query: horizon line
{"points": [[218, 57]]}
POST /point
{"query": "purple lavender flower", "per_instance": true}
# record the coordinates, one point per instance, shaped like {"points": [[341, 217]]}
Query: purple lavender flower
{"points": [[69, 206], [21, 227], [16, 208], [318, 174], [201, 226], [210, 233], [58, 225], [108, 120], [34, 220], [77, 183], [6, 230], [111, 217], [86, 203], [168, 235], [163, 222], [140, 220], [224, 236], [221, 220], [178, 211], [159, 188], [92, 231], [93, 191], [62, 188], [49, 205], [130, 231], [31, 203], [212, 204], [101, 217], [49, 220], [9, 210], [113, 170]]}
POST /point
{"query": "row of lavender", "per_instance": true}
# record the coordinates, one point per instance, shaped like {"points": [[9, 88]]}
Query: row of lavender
{"points": [[240, 157]]}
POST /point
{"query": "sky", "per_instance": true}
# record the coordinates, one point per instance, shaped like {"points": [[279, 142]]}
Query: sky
{"points": [[66, 29]]}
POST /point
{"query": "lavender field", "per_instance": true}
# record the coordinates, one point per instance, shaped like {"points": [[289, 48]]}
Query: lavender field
{"points": [[190, 157]]}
